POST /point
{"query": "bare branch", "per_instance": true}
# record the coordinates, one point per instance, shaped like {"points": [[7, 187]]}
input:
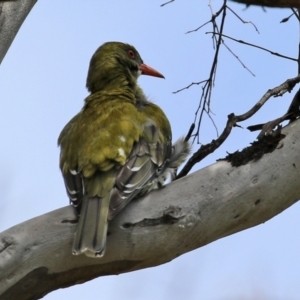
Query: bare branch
{"points": [[205, 150], [292, 114], [212, 20], [188, 86], [35, 256], [287, 18], [255, 46], [245, 22], [239, 60], [295, 13], [205, 99], [167, 3]]}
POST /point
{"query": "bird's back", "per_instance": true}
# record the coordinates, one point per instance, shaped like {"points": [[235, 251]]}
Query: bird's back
{"points": [[110, 132]]}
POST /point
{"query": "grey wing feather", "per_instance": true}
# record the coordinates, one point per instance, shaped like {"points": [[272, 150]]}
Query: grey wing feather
{"points": [[147, 168], [180, 151], [75, 188], [140, 169]]}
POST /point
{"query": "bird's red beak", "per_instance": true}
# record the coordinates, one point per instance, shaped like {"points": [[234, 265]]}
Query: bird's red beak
{"points": [[146, 70]]}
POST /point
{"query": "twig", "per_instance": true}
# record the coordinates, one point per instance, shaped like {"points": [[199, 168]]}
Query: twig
{"points": [[295, 13], [255, 46], [205, 150], [245, 22], [166, 3], [292, 114], [238, 59], [188, 86], [212, 20], [287, 18], [189, 134], [206, 94]]}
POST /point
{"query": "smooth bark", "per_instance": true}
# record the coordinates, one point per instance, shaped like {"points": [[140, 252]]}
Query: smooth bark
{"points": [[219, 200], [12, 16]]}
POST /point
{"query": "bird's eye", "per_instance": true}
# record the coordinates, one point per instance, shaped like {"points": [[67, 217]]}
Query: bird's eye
{"points": [[130, 53]]}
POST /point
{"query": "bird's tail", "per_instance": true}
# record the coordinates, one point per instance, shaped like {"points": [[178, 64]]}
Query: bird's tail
{"points": [[90, 237], [180, 151]]}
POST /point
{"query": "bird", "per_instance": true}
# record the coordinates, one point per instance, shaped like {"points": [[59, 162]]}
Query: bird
{"points": [[117, 148]]}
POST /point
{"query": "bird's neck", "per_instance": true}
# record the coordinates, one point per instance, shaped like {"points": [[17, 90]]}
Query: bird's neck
{"points": [[110, 80], [123, 93], [141, 99], [122, 88]]}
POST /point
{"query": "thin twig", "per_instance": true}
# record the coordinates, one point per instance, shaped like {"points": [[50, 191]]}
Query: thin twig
{"points": [[213, 18], [213, 122], [245, 22], [255, 46], [198, 27], [206, 95], [189, 134], [287, 18], [166, 3], [295, 13], [205, 99], [238, 59], [188, 86]]}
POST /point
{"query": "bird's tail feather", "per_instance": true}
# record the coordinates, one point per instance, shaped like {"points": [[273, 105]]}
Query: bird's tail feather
{"points": [[180, 151], [90, 237]]}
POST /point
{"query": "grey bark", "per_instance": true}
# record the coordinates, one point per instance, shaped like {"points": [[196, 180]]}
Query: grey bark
{"points": [[12, 16], [219, 200]]}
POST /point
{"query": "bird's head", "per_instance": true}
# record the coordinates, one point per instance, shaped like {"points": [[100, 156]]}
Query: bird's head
{"points": [[115, 65]]}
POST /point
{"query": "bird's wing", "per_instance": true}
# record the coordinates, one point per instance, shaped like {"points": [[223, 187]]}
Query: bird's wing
{"points": [[74, 187], [106, 164], [144, 165]]}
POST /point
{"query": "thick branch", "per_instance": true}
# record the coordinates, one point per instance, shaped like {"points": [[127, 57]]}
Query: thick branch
{"points": [[12, 16], [219, 200], [271, 3]]}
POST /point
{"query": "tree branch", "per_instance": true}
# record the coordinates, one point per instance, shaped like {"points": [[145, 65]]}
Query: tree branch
{"points": [[271, 3], [219, 200], [12, 16]]}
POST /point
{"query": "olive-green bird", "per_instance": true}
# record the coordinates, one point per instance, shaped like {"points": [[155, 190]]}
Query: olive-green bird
{"points": [[118, 147]]}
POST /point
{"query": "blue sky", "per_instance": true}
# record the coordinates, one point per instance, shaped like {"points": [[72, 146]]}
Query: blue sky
{"points": [[43, 85]]}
